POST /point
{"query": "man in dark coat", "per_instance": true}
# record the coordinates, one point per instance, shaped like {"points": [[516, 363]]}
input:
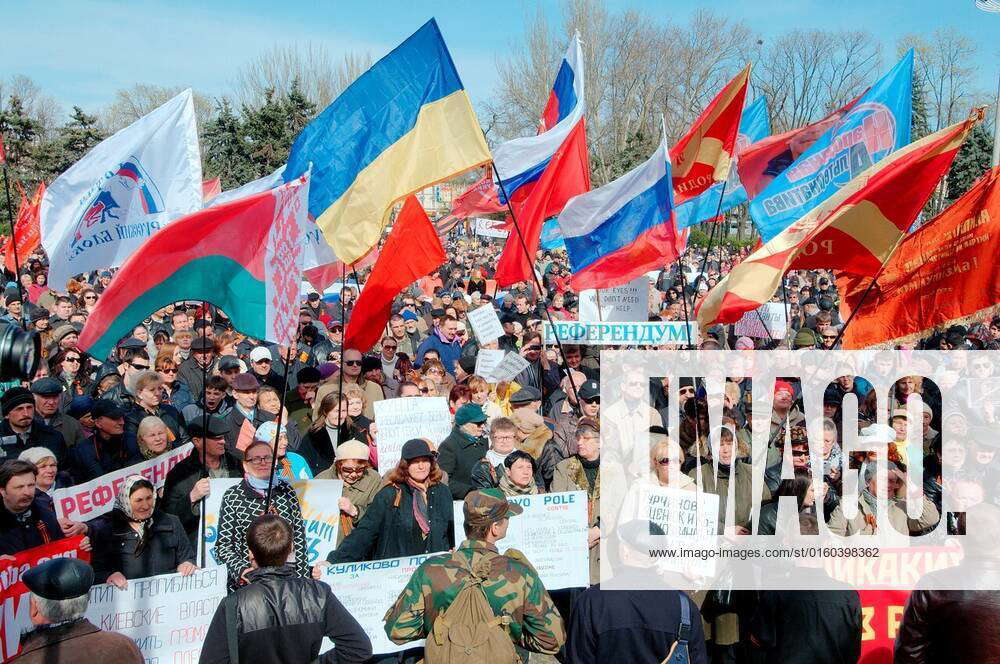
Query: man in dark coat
{"points": [[245, 413], [110, 448], [198, 366], [641, 621], [60, 593], [25, 518], [48, 393], [20, 430], [459, 453], [187, 484], [279, 616]]}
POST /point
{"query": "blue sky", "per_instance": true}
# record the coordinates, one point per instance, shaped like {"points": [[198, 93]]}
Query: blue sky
{"points": [[82, 51]]}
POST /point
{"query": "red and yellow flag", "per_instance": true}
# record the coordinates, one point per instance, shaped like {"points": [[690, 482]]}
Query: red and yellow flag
{"points": [[701, 158], [855, 230], [27, 229], [943, 273]]}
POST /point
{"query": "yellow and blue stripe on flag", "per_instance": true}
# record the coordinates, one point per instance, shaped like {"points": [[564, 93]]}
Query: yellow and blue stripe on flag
{"points": [[403, 125]]}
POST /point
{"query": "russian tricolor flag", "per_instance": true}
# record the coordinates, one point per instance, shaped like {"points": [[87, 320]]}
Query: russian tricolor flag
{"points": [[522, 161], [623, 229]]}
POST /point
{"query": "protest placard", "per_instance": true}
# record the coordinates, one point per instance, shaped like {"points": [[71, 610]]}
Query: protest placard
{"points": [[487, 361], [626, 303], [96, 497], [511, 365], [620, 334], [14, 608], [485, 323], [368, 589], [681, 515], [551, 533], [399, 420], [320, 515], [489, 228], [765, 322]]}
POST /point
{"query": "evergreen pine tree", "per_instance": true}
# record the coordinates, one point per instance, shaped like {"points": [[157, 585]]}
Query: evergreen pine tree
{"points": [[919, 122], [972, 160], [226, 152], [267, 130]]}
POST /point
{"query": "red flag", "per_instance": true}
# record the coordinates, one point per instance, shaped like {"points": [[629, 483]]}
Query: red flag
{"points": [[702, 157], [764, 160], [856, 230], [411, 251], [480, 198], [942, 273], [210, 189], [322, 276], [567, 175], [27, 229]]}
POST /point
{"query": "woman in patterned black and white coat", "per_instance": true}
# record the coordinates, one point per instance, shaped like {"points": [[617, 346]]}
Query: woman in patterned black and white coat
{"points": [[243, 503]]}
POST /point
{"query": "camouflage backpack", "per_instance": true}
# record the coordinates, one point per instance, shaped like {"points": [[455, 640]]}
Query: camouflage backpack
{"points": [[468, 632]]}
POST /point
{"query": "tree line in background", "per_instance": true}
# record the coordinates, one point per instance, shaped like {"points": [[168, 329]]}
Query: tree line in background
{"points": [[637, 65]]}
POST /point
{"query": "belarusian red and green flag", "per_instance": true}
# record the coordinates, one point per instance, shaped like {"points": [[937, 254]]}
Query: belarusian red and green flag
{"points": [[244, 257]]}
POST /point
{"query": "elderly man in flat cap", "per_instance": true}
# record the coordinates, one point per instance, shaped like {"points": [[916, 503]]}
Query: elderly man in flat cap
{"points": [[60, 592]]}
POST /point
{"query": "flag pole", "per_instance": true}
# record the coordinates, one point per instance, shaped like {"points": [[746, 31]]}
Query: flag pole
{"points": [[788, 322], [538, 285], [13, 243], [277, 432], [204, 436], [711, 237], [687, 320]]}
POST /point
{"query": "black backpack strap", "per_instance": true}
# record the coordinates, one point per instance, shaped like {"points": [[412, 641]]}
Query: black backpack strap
{"points": [[231, 636], [684, 631]]}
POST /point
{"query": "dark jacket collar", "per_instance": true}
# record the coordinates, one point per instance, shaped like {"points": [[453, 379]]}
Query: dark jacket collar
{"points": [[262, 573]]}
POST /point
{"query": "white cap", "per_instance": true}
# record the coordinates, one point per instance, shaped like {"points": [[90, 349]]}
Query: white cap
{"points": [[260, 353]]}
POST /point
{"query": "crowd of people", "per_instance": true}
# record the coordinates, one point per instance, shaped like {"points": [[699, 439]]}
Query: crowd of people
{"points": [[268, 415]]}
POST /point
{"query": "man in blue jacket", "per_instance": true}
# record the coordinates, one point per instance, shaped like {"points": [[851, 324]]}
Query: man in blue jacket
{"points": [[443, 339]]}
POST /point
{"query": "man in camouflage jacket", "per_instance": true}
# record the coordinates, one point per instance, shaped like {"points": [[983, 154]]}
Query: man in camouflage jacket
{"points": [[513, 588]]}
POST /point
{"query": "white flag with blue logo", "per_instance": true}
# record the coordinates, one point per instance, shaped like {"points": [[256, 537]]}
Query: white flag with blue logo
{"points": [[126, 188]]}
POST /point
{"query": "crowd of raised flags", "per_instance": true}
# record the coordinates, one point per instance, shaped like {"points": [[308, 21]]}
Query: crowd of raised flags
{"points": [[381, 141]]}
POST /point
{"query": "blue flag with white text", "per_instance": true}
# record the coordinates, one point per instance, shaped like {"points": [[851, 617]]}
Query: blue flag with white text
{"points": [[876, 125]]}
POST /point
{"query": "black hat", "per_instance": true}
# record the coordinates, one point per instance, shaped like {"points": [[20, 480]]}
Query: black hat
{"points": [[106, 408], [200, 323], [308, 375], [39, 313], [825, 304], [132, 343], [47, 386], [202, 344], [212, 427], [437, 313], [227, 362], [313, 297], [369, 363], [80, 406], [831, 395], [809, 300], [525, 395], [686, 381], [12, 294], [60, 578], [415, 448], [589, 390], [468, 363], [15, 397]]}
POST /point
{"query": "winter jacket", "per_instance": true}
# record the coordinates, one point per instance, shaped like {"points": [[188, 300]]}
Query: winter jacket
{"points": [[242, 504], [191, 373], [281, 617], [235, 419], [97, 456], [40, 435], [115, 542], [39, 528], [70, 428], [361, 494], [177, 488], [448, 351], [318, 450], [388, 529], [457, 456], [76, 641], [170, 416]]}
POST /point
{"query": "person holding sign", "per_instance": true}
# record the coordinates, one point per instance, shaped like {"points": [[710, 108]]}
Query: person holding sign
{"points": [[410, 515], [508, 581], [242, 503], [581, 472], [134, 540]]}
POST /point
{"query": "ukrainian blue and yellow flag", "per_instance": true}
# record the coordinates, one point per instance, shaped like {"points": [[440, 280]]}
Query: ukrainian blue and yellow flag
{"points": [[402, 126]]}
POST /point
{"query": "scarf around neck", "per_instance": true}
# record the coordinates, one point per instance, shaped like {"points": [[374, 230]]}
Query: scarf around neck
{"points": [[510, 488], [420, 512]]}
